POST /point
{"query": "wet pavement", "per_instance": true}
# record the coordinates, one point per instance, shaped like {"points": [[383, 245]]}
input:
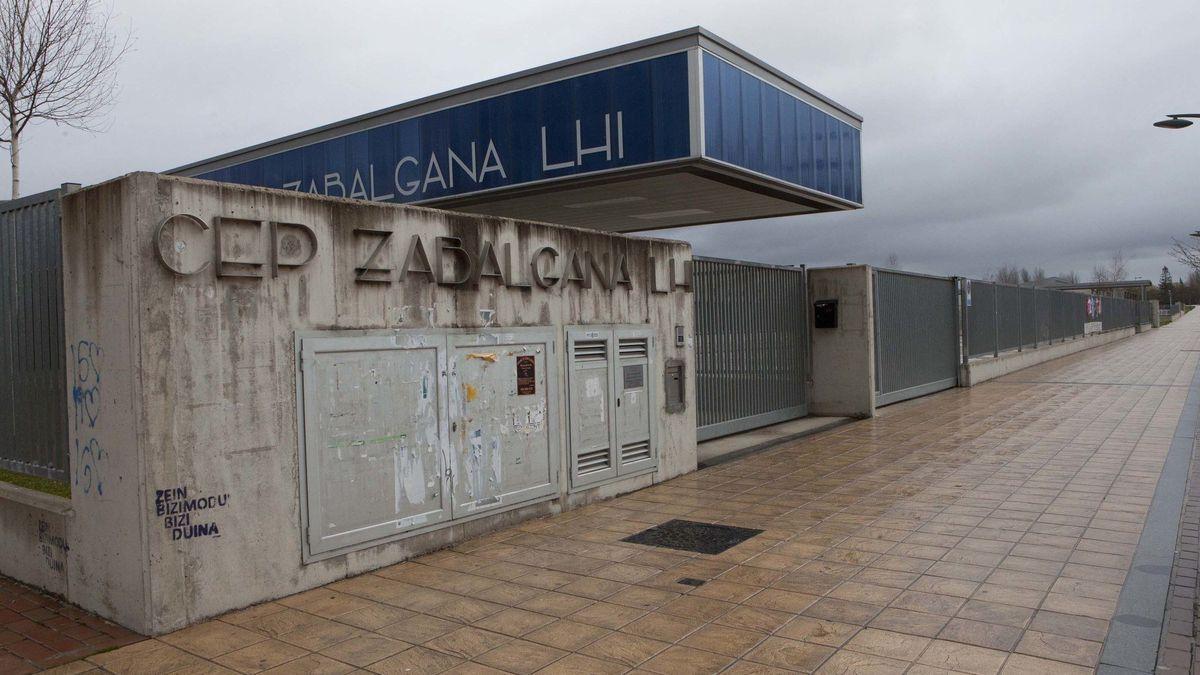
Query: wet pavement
{"points": [[977, 530]]}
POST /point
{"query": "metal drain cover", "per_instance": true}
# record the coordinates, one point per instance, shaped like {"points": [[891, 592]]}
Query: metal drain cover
{"points": [[687, 535]]}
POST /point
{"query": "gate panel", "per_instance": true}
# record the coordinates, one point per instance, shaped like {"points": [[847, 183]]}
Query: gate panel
{"points": [[33, 375], [751, 345], [916, 341]]}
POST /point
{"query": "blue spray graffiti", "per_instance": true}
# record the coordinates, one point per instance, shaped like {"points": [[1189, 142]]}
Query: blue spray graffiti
{"points": [[89, 455]]}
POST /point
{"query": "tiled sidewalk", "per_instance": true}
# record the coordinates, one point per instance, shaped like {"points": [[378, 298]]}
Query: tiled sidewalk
{"points": [[976, 531], [39, 631]]}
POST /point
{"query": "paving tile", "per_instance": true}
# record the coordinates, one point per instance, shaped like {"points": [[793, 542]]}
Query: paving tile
{"points": [[514, 622], [415, 661], [607, 615], [725, 640], [373, 616], [844, 611], [569, 635], [910, 622], [572, 664], [1021, 664], [1060, 648], [929, 603], [212, 638], [666, 627], [467, 642], [679, 659], [819, 631], [630, 650], [317, 636], [853, 663], [157, 658], [992, 636], [963, 658], [790, 654], [260, 656]]}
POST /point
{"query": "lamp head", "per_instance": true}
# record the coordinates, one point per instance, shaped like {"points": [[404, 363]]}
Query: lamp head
{"points": [[1173, 123]]}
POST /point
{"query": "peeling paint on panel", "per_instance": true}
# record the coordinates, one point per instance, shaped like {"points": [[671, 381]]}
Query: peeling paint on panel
{"points": [[410, 477]]}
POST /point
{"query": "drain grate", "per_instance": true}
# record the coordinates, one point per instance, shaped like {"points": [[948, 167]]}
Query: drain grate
{"points": [[687, 535], [691, 581]]}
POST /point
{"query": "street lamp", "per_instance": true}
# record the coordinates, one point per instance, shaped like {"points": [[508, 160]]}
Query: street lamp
{"points": [[1176, 121]]}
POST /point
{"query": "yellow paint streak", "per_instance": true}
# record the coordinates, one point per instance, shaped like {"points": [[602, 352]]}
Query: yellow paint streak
{"points": [[471, 391], [490, 358]]}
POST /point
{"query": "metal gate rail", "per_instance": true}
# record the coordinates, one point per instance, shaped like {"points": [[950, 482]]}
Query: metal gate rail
{"points": [[751, 345]]}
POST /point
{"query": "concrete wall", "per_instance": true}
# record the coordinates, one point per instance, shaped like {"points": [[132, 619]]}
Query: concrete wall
{"points": [[195, 387], [33, 527], [986, 368], [843, 358]]}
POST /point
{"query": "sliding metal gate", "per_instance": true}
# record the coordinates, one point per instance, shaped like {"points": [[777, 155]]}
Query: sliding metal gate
{"points": [[751, 345], [33, 375], [916, 336]]}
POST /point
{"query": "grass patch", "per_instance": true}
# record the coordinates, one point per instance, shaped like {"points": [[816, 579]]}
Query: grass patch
{"points": [[47, 485]]}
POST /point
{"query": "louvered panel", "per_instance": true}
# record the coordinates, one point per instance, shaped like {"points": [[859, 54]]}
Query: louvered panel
{"points": [[591, 462], [591, 350], [635, 452], [630, 348]]}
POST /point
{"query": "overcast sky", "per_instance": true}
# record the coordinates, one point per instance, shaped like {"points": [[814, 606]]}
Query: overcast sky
{"points": [[995, 133]]}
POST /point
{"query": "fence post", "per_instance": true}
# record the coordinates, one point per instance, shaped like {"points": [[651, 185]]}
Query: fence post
{"points": [[995, 320], [1035, 319], [963, 341], [1020, 322]]}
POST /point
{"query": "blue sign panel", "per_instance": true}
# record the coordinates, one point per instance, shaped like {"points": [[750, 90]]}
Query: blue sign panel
{"points": [[620, 117], [757, 126]]}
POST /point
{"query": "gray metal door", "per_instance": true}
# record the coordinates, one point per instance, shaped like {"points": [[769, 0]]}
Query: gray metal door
{"points": [[916, 340], [751, 345]]}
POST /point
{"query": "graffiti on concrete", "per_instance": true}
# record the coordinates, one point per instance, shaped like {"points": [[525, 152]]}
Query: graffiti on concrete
{"points": [[176, 509], [89, 454], [53, 547]]}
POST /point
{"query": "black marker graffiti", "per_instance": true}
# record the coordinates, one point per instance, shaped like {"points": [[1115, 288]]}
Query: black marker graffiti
{"points": [[53, 546], [175, 508]]}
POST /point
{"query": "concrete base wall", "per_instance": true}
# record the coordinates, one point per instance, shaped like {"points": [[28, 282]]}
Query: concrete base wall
{"points": [[187, 379], [988, 368], [843, 358], [33, 529]]}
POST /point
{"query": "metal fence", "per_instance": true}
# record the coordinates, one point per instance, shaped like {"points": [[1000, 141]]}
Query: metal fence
{"points": [[751, 345], [916, 328], [1002, 317], [33, 437], [1171, 309]]}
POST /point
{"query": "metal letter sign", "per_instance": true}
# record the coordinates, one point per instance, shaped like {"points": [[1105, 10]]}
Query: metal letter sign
{"points": [[619, 117]]}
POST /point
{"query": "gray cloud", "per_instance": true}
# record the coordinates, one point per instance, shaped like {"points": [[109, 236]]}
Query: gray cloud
{"points": [[1014, 132]]}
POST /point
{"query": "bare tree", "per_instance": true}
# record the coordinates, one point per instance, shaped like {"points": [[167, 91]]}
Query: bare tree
{"points": [[1117, 268], [893, 262], [1186, 253], [1071, 277], [58, 59], [1007, 274]]}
